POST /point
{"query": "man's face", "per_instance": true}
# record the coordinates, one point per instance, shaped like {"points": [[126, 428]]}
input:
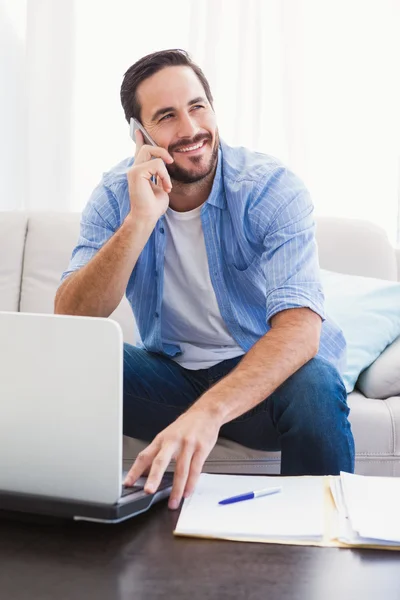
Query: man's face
{"points": [[177, 115]]}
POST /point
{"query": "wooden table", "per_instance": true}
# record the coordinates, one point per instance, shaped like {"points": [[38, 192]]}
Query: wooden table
{"points": [[142, 559]]}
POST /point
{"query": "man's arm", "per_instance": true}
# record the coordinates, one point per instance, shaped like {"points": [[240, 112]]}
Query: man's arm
{"points": [[96, 289], [294, 304], [290, 343]]}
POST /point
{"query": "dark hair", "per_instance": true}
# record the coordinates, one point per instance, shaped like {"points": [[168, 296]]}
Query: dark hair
{"points": [[147, 66]]}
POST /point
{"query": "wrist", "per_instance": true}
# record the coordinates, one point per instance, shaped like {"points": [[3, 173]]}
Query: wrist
{"points": [[135, 222], [211, 407]]}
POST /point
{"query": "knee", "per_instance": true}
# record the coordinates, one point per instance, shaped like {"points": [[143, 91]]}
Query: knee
{"points": [[129, 358], [315, 393], [318, 377], [134, 357], [129, 350], [134, 363]]}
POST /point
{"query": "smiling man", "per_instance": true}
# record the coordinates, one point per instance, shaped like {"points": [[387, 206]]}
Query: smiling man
{"points": [[219, 263]]}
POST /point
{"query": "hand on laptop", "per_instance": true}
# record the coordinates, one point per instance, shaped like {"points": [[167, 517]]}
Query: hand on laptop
{"points": [[188, 440]]}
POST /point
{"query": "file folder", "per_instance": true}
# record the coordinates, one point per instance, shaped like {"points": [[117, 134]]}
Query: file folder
{"points": [[305, 513]]}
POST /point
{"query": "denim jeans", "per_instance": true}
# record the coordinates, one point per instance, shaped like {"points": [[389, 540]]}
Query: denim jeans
{"points": [[305, 417]]}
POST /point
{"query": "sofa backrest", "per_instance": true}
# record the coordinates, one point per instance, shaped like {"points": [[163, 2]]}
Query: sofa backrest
{"points": [[356, 247], [50, 239], [36, 248], [12, 240]]}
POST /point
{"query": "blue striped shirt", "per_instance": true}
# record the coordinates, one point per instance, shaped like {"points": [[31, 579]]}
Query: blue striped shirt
{"points": [[259, 234]]}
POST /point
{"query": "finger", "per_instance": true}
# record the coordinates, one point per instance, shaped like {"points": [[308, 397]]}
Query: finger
{"points": [[147, 152], [156, 167], [142, 462], [158, 467], [156, 186], [182, 469], [195, 469]]}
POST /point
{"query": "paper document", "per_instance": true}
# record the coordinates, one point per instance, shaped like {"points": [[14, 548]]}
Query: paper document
{"points": [[368, 509], [295, 513]]}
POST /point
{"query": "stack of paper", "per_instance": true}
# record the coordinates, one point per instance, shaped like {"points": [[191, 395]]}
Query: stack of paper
{"points": [[332, 511], [368, 509], [295, 514]]}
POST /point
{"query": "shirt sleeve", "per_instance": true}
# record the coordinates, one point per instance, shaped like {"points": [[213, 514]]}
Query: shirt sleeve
{"points": [[100, 219], [290, 256]]}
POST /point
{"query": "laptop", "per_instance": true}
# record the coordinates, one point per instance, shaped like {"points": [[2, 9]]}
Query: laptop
{"points": [[61, 412]]}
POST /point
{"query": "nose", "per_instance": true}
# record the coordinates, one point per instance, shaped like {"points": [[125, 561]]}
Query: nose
{"points": [[188, 127]]}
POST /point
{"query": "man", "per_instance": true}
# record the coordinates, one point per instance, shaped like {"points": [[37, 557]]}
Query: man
{"points": [[219, 263]]}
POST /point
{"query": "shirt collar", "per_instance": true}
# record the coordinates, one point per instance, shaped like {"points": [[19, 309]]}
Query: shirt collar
{"points": [[217, 194]]}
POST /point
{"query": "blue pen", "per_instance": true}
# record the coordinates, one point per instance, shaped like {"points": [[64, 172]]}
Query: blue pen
{"points": [[251, 495]]}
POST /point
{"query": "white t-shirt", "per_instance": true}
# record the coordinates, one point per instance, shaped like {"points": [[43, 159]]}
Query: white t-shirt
{"points": [[190, 314]]}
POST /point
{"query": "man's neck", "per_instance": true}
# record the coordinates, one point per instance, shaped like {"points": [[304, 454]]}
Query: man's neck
{"points": [[188, 196]]}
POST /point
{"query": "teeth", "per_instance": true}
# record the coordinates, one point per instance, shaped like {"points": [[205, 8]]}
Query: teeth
{"points": [[192, 147]]}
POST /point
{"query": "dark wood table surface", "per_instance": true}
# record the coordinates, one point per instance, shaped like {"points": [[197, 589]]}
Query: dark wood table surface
{"points": [[142, 559]]}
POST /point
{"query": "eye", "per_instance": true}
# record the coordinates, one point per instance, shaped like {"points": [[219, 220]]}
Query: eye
{"points": [[166, 116], [198, 106]]}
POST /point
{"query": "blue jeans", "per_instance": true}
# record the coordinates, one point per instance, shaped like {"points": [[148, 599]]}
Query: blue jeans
{"points": [[305, 417]]}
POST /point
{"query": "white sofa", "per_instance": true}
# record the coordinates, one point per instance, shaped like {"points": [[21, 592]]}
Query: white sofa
{"points": [[35, 249]]}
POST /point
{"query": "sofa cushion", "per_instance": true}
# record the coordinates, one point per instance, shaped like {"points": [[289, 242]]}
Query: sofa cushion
{"points": [[382, 378], [12, 239], [50, 240], [47, 250], [367, 311]]}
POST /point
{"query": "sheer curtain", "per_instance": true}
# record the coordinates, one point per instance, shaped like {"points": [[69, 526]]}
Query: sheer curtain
{"points": [[314, 82]]}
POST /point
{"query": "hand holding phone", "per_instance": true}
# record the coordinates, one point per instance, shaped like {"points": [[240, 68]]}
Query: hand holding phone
{"points": [[149, 182], [134, 126]]}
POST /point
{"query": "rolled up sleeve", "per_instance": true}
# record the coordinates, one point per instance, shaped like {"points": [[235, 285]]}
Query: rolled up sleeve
{"points": [[290, 259], [100, 219]]}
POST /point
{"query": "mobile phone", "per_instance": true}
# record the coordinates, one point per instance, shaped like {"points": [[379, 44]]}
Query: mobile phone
{"points": [[133, 126]]}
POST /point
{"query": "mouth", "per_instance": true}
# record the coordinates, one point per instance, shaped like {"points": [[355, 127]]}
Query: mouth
{"points": [[192, 150]]}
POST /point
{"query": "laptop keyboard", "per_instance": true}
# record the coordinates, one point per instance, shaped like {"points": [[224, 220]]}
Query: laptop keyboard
{"points": [[138, 487], [130, 490]]}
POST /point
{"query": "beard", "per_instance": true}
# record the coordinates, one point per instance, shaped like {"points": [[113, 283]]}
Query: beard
{"points": [[197, 173]]}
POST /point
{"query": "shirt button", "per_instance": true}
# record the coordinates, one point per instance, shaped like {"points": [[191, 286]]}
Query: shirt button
{"points": [[157, 315], [161, 229]]}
